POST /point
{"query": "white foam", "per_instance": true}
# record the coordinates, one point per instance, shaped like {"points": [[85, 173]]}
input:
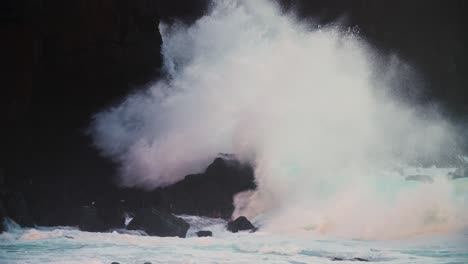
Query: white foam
{"points": [[73, 246]]}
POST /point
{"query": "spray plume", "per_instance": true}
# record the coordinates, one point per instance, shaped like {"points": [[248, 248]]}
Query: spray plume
{"points": [[311, 108]]}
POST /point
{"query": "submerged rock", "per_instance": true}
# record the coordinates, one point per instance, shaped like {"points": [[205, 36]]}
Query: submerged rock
{"points": [[459, 173], [240, 224], [204, 233], [361, 259], [337, 259], [420, 178], [158, 223], [353, 259]]}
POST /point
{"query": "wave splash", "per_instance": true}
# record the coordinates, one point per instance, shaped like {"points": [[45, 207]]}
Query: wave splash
{"points": [[312, 108]]}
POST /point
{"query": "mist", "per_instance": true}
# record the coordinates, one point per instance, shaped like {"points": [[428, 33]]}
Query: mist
{"points": [[313, 108]]}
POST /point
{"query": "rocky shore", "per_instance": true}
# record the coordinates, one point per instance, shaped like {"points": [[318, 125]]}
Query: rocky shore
{"points": [[209, 193]]}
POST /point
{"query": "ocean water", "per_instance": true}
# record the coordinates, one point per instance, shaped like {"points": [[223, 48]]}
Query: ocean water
{"points": [[295, 246], [69, 245]]}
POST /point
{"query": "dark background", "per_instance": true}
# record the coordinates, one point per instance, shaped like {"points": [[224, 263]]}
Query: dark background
{"points": [[62, 61]]}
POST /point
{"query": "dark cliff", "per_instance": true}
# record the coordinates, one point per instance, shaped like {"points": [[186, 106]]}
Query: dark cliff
{"points": [[64, 60]]}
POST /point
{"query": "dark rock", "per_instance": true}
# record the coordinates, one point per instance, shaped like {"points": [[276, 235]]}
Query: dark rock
{"points": [[210, 193], [204, 233], [361, 259], [337, 259], [158, 223], [240, 224], [112, 218], [115, 263], [90, 221], [111, 213], [147, 263], [353, 259], [100, 218], [15, 207], [420, 178]]}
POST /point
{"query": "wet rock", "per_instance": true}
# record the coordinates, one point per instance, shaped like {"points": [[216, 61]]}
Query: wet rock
{"points": [[240, 224], [210, 193], [158, 223], [353, 259], [112, 214], [101, 217], [361, 259], [204, 233]]}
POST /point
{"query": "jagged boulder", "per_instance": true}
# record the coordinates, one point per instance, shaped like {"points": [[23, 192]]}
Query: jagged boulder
{"points": [[204, 233], [210, 193], [240, 224], [158, 223]]}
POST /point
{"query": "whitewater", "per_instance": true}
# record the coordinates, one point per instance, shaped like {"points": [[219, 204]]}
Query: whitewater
{"points": [[314, 109], [317, 112], [68, 245]]}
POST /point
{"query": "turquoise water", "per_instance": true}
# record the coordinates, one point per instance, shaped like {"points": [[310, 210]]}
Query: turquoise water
{"points": [[68, 245], [303, 245]]}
